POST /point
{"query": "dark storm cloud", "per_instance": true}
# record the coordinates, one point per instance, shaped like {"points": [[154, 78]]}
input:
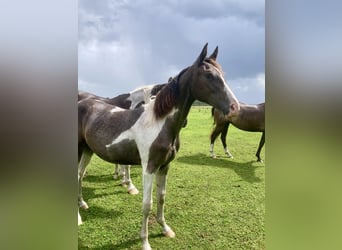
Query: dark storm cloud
{"points": [[125, 44], [215, 9]]}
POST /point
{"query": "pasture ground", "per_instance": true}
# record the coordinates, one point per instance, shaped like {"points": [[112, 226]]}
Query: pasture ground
{"points": [[210, 203]]}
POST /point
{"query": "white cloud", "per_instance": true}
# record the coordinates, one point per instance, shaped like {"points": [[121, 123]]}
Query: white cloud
{"points": [[249, 89], [261, 80]]}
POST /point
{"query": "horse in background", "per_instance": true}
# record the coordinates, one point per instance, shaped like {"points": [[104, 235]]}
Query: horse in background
{"points": [[149, 132], [250, 118], [130, 100]]}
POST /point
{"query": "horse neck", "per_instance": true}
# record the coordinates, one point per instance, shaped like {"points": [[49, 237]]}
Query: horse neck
{"points": [[184, 102], [174, 102]]}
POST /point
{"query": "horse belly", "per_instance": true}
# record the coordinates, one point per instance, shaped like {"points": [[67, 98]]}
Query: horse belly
{"points": [[125, 152], [250, 127], [249, 124]]}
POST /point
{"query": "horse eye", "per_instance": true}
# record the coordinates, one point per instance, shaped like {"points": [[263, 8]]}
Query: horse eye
{"points": [[210, 76]]}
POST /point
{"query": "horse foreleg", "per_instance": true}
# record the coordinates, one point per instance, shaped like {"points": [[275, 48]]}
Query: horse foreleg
{"points": [[84, 161], [147, 206], [224, 140], [161, 193], [128, 181], [261, 144]]}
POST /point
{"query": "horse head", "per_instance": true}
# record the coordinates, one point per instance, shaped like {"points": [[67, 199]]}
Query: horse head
{"points": [[208, 84]]}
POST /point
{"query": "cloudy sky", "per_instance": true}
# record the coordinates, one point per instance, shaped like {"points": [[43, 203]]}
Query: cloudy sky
{"points": [[124, 44]]}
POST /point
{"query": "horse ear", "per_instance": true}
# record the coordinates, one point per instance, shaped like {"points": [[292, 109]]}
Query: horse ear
{"points": [[202, 56], [214, 54]]}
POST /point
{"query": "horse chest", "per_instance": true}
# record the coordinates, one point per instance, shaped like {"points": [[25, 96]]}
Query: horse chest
{"points": [[143, 133]]}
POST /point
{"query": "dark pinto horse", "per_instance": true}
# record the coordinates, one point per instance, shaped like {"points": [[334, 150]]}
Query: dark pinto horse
{"points": [[147, 135], [250, 118], [131, 100]]}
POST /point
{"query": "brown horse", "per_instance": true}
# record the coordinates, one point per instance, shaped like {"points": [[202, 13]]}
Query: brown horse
{"points": [[250, 118], [147, 135]]}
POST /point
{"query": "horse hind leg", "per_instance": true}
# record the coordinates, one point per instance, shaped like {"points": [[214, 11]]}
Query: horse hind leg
{"points": [[82, 164], [116, 172], [224, 140], [128, 181], [214, 134], [261, 144]]}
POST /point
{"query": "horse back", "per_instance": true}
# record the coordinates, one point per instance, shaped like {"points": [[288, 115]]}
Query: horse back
{"points": [[121, 101], [251, 118]]}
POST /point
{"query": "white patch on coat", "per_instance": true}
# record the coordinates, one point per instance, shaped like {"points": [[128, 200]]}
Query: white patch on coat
{"points": [[143, 132], [116, 109], [230, 93]]}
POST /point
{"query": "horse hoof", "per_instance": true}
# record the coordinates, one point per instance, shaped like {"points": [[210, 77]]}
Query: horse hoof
{"points": [[169, 233], [133, 191], [83, 205], [230, 156], [213, 156]]}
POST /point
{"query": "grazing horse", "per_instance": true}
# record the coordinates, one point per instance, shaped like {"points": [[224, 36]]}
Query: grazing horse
{"points": [[147, 135], [132, 100], [250, 118]]}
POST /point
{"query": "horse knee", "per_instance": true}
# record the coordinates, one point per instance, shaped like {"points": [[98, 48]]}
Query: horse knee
{"points": [[161, 198], [147, 207]]}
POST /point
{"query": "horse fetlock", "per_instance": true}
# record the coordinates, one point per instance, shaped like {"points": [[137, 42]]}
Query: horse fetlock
{"points": [[146, 246], [125, 183], [82, 204], [144, 237], [229, 155], [161, 221]]}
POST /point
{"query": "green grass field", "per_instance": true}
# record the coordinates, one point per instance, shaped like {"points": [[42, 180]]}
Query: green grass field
{"points": [[210, 203]]}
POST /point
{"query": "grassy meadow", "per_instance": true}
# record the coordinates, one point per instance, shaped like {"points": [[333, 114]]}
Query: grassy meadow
{"points": [[210, 203]]}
